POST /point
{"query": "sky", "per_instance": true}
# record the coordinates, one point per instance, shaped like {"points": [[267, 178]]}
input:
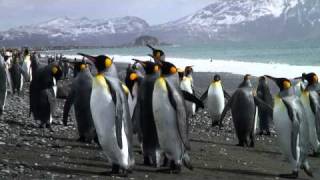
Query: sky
{"points": [[23, 12]]}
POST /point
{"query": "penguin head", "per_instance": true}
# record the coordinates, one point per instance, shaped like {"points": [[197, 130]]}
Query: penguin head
{"points": [[157, 54], [80, 66], [26, 52], [311, 78], [180, 73], [247, 77], [262, 80], [56, 71], [168, 68], [282, 83], [216, 78], [101, 62], [148, 66], [188, 70]]}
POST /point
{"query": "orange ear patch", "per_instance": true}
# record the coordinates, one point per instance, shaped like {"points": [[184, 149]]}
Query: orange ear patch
{"points": [[286, 84], [54, 70], [156, 68], [108, 62], [133, 76], [83, 66], [173, 70]]}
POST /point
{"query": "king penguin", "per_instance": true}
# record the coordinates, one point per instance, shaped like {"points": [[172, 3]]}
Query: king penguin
{"points": [[157, 54], [16, 75], [80, 98], [26, 65], [311, 101], [243, 110], [170, 117], [43, 91], [186, 84], [3, 84], [143, 117], [263, 92], [291, 125], [216, 99], [111, 117], [133, 81]]}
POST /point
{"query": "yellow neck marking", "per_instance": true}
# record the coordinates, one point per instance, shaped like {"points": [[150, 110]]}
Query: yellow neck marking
{"points": [[216, 83], [161, 82], [100, 80], [125, 88]]}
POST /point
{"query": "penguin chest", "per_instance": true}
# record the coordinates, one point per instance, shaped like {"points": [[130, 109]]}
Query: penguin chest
{"points": [[165, 119], [283, 126], [55, 88], [313, 136], [135, 89], [216, 100], [186, 85], [103, 111]]}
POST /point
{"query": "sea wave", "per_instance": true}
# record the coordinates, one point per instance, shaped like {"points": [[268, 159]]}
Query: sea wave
{"points": [[229, 66]]}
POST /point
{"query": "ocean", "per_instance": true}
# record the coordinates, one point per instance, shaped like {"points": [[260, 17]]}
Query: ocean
{"points": [[285, 59]]}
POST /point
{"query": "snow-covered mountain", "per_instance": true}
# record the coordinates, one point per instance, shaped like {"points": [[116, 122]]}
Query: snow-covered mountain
{"points": [[246, 20], [83, 30], [235, 20]]}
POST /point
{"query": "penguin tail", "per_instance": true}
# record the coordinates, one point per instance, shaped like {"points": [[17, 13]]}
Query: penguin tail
{"points": [[186, 161]]}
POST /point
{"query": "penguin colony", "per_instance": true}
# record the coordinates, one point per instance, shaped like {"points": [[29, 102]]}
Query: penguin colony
{"points": [[154, 105]]}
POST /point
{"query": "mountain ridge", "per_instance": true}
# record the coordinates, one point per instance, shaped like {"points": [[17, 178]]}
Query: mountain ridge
{"points": [[222, 20]]}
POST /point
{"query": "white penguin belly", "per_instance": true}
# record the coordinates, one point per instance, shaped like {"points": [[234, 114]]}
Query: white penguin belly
{"points": [[186, 85], [166, 122], [215, 101], [313, 136], [103, 114], [283, 127]]}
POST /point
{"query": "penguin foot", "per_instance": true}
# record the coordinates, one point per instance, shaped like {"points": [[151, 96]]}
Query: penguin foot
{"points": [[307, 170], [42, 125], [315, 154], [48, 126], [81, 139], [293, 175], [115, 169], [251, 144], [165, 162], [146, 161], [240, 145], [175, 168], [215, 123]]}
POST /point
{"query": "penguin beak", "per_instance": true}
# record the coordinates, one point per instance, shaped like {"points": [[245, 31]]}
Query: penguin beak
{"points": [[152, 48], [151, 55], [140, 62], [272, 78], [91, 58]]}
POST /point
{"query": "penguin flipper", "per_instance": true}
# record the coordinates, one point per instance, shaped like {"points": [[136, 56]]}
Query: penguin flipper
{"points": [[190, 97], [51, 99], [226, 94], [119, 110], [264, 106], [67, 106], [295, 128], [226, 108], [177, 102], [314, 103], [204, 95]]}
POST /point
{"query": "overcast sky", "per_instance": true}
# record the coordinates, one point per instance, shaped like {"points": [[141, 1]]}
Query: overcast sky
{"points": [[21, 12]]}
